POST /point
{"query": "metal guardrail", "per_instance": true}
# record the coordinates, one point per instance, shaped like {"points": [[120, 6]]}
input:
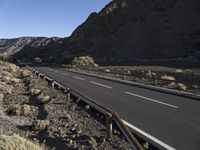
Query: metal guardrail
{"points": [[124, 76], [111, 117]]}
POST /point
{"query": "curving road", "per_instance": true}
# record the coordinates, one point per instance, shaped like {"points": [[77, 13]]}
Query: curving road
{"points": [[169, 121]]}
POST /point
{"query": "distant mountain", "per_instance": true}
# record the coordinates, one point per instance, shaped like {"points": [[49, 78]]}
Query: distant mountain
{"points": [[132, 30], [12, 46]]}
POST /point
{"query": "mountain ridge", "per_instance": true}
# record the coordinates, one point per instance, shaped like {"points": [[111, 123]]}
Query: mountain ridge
{"points": [[131, 30], [14, 45]]}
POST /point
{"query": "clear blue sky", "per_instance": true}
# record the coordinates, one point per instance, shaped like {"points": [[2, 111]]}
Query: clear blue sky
{"points": [[44, 17]]}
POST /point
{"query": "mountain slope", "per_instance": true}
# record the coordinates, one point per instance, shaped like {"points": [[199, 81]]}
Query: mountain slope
{"points": [[12, 46], [142, 29], [133, 31]]}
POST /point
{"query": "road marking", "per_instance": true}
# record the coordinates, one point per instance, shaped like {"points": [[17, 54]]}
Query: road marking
{"points": [[78, 78], [101, 84], [56, 71], [65, 74], [153, 100], [149, 136]]}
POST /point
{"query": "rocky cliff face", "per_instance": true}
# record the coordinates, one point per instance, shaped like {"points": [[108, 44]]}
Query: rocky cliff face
{"points": [[143, 29], [133, 30]]}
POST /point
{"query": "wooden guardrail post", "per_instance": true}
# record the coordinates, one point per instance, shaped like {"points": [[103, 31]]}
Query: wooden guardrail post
{"points": [[124, 77], [127, 133], [44, 78], [53, 84], [155, 82], [67, 91], [109, 125]]}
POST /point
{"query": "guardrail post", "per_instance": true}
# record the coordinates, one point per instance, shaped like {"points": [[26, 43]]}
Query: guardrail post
{"points": [[124, 77], [67, 91], [44, 78], [155, 82], [109, 125], [53, 84]]}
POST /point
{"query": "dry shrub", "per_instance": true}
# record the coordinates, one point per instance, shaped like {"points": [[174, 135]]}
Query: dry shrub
{"points": [[26, 73], [92, 142], [107, 71], [1, 98], [149, 74], [44, 99], [181, 87], [18, 110], [84, 61], [35, 91], [172, 85], [178, 71], [166, 77], [13, 80], [13, 68], [5, 88], [5, 73], [40, 125], [195, 86], [15, 142]]}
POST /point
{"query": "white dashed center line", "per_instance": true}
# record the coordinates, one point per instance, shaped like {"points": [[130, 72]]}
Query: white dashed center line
{"points": [[153, 100], [101, 84], [78, 78], [65, 74]]}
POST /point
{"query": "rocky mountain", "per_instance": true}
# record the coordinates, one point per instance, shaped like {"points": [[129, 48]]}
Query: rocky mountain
{"points": [[12, 46], [142, 30], [133, 31]]}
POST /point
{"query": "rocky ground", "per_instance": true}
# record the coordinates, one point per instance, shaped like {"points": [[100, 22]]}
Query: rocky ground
{"points": [[174, 78], [33, 110]]}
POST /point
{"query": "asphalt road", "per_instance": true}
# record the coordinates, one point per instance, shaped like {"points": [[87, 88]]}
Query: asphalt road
{"points": [[171, 121]]}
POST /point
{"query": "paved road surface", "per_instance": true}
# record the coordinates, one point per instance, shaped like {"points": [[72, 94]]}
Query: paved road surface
{"points": [[170, 121]]}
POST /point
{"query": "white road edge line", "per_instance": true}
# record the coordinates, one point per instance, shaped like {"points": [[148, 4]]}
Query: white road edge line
{"points": [[149, 136], [101, 84], [153, 100], [78, 78], [65, 74]]}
